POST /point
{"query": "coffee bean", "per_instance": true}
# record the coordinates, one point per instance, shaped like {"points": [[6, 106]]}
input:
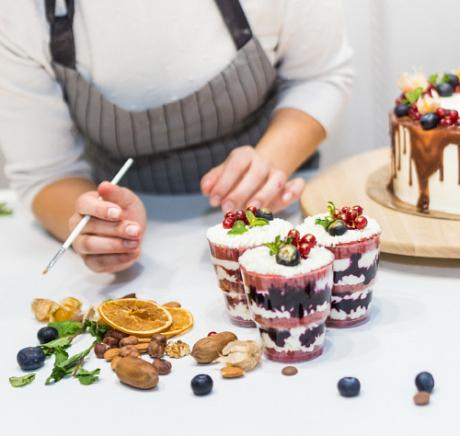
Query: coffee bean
{"points": [[289, 370], [421, 398]]}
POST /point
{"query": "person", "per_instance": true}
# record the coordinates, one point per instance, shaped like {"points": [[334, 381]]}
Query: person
{"points": [[224, 96]]}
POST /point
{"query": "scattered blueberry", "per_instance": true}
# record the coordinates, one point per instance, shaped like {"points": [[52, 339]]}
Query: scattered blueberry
{"points": [[47, 334], [402, 110], [264, 213], [429, 121], [349, 386], [337, 228], [452, 80], [288, 255], [445, 89], [30, 358], [424, 382], [201, 384]]}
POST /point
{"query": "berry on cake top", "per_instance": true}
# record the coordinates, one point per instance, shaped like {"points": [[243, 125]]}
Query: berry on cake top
{"points": [[427, 100], [247, 228], [340, 225]]}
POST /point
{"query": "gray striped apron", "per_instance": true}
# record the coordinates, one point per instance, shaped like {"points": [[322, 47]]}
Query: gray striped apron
{"points": [[172, 145]]}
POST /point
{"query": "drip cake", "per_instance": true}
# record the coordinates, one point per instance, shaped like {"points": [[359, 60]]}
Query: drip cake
{"points": [[425, 135]]}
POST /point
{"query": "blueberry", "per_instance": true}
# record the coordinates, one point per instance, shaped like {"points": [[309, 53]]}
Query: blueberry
{"points": [[30, 358], [349, 386], [337, 228], [452, 80], [429, 121], [264, 213], [288, 255], [424, 382], [402, 110], [47, 334], [445, 89], [201, 384]]}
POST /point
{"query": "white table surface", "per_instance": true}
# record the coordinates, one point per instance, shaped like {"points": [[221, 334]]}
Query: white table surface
{"points": [[414, 327]]}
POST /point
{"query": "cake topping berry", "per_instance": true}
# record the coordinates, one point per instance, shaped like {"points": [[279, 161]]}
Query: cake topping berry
{"points": [[241, 221], [445, 89], [349, 387], [304, 249], [288, 255], [402, 110], [424, 382], [294, 236], [429, 121], [338, 221], [201, 384], [288, 252], [264, 214]]}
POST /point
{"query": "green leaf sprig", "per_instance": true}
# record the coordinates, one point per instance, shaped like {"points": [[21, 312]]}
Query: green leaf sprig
{"points": [[276, 245], [414, 95], [19, 382], [66, 328], [329, 218], [58, 344], [95, 329], [5, 210], [240, 227], [86, 377]]}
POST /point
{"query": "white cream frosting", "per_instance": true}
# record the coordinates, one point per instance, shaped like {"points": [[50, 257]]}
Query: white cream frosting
{"points": [[327, 240], [241, 310], [354, 314], [341, 264], [223, 275], [293, 341], [351, 280], [359, 295], [260, 261], [252, 238], [444, 195], [368, 258], [231, 265], [271, 314]]}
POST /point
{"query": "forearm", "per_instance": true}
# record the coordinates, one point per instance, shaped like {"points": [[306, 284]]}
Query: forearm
{"points": [[55, 204], [290, 139]]}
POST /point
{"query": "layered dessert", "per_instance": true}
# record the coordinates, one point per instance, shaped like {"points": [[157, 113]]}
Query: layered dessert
{"points": [[228, 240], [353, 238], [425, 135], [288, 284]]}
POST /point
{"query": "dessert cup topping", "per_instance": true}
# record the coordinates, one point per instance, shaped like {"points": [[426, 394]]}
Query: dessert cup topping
{"points": [[289, 251], [241, 221], [339, 220]]}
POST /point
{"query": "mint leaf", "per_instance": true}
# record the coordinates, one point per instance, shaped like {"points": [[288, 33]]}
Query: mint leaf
{"points": [[238, 228], [87, 377], [445, 78], [414, 95], [18, 382], [66, 328], [60, 356], [324, 222], [95, 329], [59, 343], [5, 210], [250, 217], [433, 79], [57, 374], [258, 222], [275, 246], [331, 209]]}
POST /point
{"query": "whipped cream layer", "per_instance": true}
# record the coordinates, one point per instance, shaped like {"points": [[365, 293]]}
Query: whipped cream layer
{"points": [[260, 261], [252, 238], [324, 238]]}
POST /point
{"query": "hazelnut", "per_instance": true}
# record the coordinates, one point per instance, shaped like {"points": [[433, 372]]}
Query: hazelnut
{"points": [[111, 341], [99, 350], [156, 349], [162, 366], [129, 350], [115, 334], [129, 340], [130, 295], [159, 338]]}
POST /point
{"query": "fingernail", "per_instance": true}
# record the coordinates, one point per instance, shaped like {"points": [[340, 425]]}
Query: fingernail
{"points": [[130, 244], [254, 203], [132, 230], [215, 201], [228, 206], [114, 212], [287, 196]]}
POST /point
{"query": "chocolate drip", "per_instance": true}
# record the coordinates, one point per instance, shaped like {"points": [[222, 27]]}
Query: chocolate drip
{"points": [[354, 269], [393, 156], [348, 305], [279, 337], [427, 153], [401, 139], [297, 301]]}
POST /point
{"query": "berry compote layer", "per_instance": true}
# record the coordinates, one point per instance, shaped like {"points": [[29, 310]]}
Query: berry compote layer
{"points": [[356, 261], [226, 249], [290, 304]]}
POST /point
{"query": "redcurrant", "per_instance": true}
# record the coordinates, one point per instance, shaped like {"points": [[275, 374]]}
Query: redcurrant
{"points": [[360, 222], [308, 239], [358, 209], [252, 209], [241, 215], [304, 250], [294, 235], [440, 112], [228, 223], [453, 115], [212, 333]]}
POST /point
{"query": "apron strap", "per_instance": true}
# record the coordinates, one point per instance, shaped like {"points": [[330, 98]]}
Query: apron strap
{"points": [[236, 21], [62, 43]]}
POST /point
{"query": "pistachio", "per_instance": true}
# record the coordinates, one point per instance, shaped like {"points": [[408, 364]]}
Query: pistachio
{"points": [[136, 372], [208, 349]]}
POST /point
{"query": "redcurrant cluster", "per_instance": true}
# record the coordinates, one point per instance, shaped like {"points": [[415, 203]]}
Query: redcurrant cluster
{"points": [[304, 244], [352, 216], [231, 218], [447, 117]]}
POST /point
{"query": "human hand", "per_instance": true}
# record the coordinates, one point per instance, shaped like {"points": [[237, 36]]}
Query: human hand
{"points": [[246, 178], [111, 241]]}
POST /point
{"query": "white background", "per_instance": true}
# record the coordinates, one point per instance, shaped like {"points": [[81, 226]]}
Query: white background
{"points": [[389, 36]]}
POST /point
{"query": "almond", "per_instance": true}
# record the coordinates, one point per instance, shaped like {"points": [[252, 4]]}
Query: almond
{"points": [[231, 372], [111, 353], [142, 348]]}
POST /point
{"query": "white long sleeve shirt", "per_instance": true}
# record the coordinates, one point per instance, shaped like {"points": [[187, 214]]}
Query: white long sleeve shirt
{"points": [[145, 53]]}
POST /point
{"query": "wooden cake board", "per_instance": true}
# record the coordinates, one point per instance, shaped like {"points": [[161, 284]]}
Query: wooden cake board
{"points": [[402, 233]]}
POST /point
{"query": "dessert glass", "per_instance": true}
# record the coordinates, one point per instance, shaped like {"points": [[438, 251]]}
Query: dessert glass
{"points": [[226, 250], [356, 262], [290, 304]]}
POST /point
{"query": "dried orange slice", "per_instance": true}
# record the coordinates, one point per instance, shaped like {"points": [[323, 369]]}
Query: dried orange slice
{"points": [[182, 321], [135, 317]]}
